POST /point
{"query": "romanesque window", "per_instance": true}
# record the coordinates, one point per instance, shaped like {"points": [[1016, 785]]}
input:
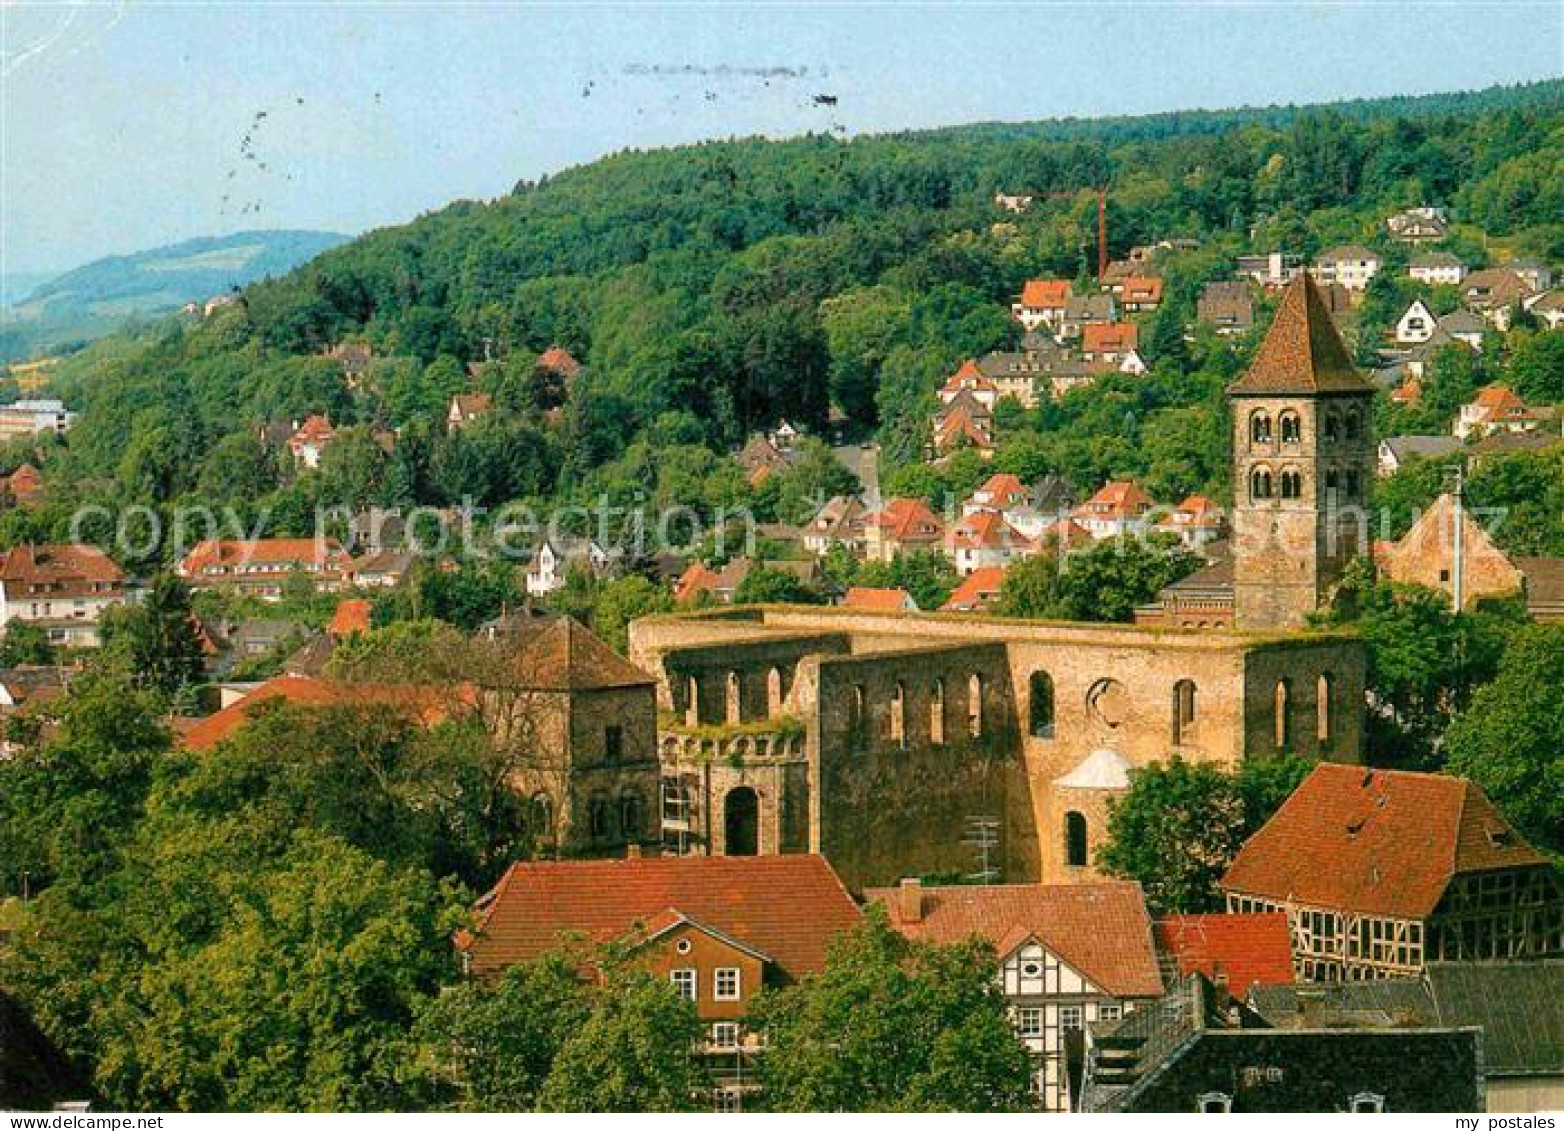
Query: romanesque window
{"points": [[1260, 483], [1323, 721], [542, 816], [1332, 428], [1282, 696], [613, 742], [631, 824], [599, 823], [1183, 711], [937, 713], [1292, 483], [975, 705], [735, 699], [1259, 427], [741, 822], [692, 702], [899, 714], [1075, 839], [1042, 705], [774, 692], [1292, 427], [1352, 483], [1353, 425]]}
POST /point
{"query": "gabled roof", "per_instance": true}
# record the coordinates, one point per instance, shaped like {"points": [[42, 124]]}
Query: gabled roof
{"points": [[878, 600], [560, 654], [978, 588], [1347, 252], [903, 519], [786, 907], [1520, 1006], [232, 553], [1105, 337], [1045, 293], [1247, 950], [306, 691], [1302, 351], [559, 360], [1004, 490], [986, 530], [1101, 929], [58, 564], [1429, 446], [351, 617], [1379, 842], [316, 429], [1117, 498]]}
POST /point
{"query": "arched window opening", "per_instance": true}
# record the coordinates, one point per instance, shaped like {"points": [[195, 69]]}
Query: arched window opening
{"points": [[631, 822], [1260, 483], [1292, 427], [1322, 709], [1292, 483], [1183, 711], [1332, 430], [692, 702], [1332, 481], [1075, 848], [774, 692], [1280, 706], [937, 713], [542, 816], [735, 706], [1260, 427], [1042, 705], [899, 714], [857, 713], [1353, 425], [741, 821], [1353, 483], [599, 820], [975, 705]]}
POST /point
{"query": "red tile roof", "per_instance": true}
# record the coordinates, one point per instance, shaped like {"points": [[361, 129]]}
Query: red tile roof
{"points": [[987, 530], [977, 589], [969, 376], [1248, 950], [878, 600], [697, 578], [1379, 842], [58, 567], [229, 554], [316, 430], [1100, 929], [1109, 337], [1045, 294], [1142, 288], [351, 616], [1003, 490], [1119, 498], [787, 907], [307, 691], [559, 360], [906, 519], [1302, 351]]}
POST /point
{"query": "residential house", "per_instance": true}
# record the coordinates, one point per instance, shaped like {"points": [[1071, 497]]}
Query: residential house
{"points": [[23, 487], [353, 358], [1548, 308], [721, 585], [1012, 202], [30, 417], [1226, 307], [1070, 956], [1001, 492], [1537, 276], [1109, 341], [1418, 225], [1492, 292], [64, 589], [556, 555], [983, 538], [1496, 408], [977, 591], [1350, 265], [1041, 302], [1201, 1050], [309, 440], [24, 685], [838, 523], [1421, 357], [879, 600], [380, 569], [1517, 1006], [1465, 327], [1381, 871], [350, 618], [1437, 268], [1141, 294], [1396, 451], [901, 526], [1202, 600], [1053, 494], [467, 409], [1235, 951], [964, 422], [974, 383], [1416, 325], [1272, 270], [721, 929], [1081, 311], [1118, 508], [1196, 522], [761, 458], [261, 567]]}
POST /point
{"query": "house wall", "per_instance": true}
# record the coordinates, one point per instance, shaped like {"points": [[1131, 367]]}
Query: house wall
{"points": [[705, 956], [1526, 1093]]}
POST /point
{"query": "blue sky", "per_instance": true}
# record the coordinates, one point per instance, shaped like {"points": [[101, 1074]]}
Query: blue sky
{"points": [[125, 125]]}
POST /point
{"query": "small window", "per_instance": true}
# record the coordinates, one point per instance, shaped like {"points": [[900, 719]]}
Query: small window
{"points": [[1029, 1022], [1368, 1102], [1292, 427], [687, 982], [1260, 483], [727, 1100], [1042, 704], [898, 716], [1260, 428], [725, 1035], [1071, 1018], [683, 946], [1215, 1103], [726, 983], [1110, 1011], [613, 742], [1075, 849]]}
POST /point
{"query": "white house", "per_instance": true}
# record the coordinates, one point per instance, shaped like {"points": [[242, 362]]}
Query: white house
{"points": [[63, 589], [1465, 327], [1436, 268], [1350, 265], [26, 418], [555, 556], [1069, 955], [1416, 325]]}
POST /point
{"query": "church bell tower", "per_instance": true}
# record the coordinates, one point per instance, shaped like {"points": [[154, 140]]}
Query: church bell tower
{"points": [[1303, 465]]}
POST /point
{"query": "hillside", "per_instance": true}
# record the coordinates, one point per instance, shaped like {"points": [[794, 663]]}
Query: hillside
{"points": [[713, 289], [92, 298]]}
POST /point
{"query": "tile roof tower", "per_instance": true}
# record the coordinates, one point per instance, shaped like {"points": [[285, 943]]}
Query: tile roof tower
{"points": [[1303, 465]]}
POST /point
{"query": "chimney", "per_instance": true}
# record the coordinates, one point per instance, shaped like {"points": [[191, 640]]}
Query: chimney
{"points": [[909, 900], [632, 852]]}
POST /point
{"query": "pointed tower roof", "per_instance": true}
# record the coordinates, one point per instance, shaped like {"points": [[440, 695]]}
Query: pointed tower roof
{"points": [[1302, 351]]}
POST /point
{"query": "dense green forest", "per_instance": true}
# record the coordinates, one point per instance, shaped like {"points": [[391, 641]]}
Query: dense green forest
{"points": [[715, 288]]}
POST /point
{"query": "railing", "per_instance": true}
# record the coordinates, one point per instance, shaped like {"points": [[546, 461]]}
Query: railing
{"points": [[690, 747]]}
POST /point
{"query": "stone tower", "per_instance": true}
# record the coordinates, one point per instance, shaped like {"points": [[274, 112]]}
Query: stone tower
{"points": [[1303, 465]]}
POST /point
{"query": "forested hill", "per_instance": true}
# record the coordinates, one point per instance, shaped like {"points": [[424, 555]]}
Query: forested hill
{"points": [[714, 288]]}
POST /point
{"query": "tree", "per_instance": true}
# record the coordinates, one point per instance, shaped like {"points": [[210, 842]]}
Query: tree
{"points": [[1510, 737], [1537, 368], [25, 643], [1181, 823], [623, 600], [892, 1024], [1030, 588], [158, 639], [635, 1052], [766, 585]]}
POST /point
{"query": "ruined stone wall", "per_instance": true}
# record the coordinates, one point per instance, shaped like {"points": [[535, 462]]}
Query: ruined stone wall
{"points": [[1297, 665]]}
